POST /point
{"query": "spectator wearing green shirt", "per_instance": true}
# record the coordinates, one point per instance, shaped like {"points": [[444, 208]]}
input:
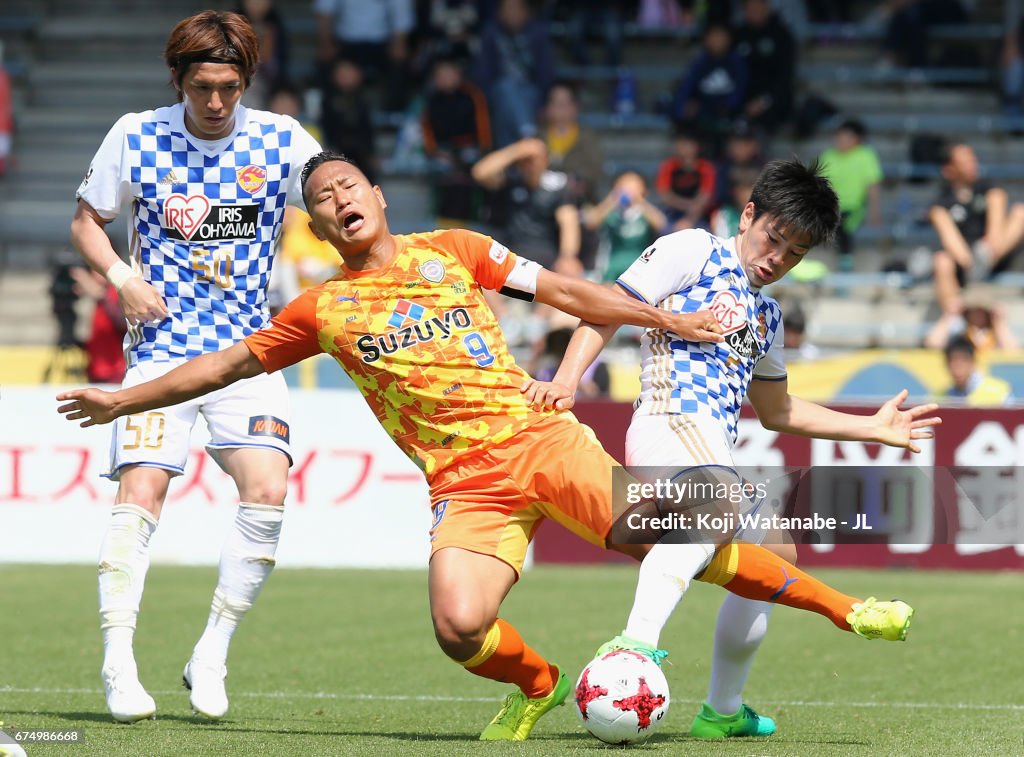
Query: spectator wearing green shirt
{"points": [[628, 222], [855, 172]]}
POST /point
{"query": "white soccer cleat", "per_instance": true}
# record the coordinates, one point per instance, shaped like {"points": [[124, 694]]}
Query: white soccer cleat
{"points": [[206, 682], [127, 700]]}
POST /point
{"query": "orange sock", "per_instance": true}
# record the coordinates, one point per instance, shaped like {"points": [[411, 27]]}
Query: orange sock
{"points": [[505, 657], [756, 573]]}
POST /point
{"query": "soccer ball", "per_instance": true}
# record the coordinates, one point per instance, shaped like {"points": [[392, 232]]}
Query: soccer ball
{"points": [[622, 697]]}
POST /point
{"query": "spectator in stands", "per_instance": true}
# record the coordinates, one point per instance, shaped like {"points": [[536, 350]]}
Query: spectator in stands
{"points": [[686, 182], [978, 228], [586, 16], [345, 116], [1013, 69], [744, 153], [6, 115], [374, 35], [548, 354], [303, 261], [906, 38], [573, 148], [515, 67], [543, 220], [794, 337], [855, 172], [725, 219], [456, 132], [767, 46], [104, 348], [627, 221], [714, 88], [984, 324], [273, 37], [287, 101], [447, 29], [969, 384]]}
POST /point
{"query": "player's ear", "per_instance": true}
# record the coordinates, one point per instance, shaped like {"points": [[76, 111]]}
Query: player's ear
{"points": [[315, 230], [747, 217], [380, 196]]}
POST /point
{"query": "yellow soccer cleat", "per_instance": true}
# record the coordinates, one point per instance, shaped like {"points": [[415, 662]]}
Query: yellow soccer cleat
{"points": [[519, 714], [881, 620]]}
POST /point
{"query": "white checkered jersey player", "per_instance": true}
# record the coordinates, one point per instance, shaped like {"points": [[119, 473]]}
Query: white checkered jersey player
{"points": [[691, 394], [207, 181]]}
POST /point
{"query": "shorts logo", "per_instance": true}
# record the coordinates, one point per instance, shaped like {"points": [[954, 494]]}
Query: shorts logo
{"points": [[186, 213], [730, 313], [439, 510], [498, 252], [433, 271], [252, 178], [268, 425], [406, 311]]}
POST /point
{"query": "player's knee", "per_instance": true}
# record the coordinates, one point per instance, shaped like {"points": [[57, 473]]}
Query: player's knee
{"points": [[148, 496], [460, 629], [268, 491]]}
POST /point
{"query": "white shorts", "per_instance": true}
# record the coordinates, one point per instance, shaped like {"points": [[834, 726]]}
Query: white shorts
{"points": [[674, 443], [254, 412]]}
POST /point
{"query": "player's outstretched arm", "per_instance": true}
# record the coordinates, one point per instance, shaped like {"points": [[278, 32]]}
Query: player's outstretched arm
{"points": [[778, 410], [614, 306], [584, 347], [195, 378]]}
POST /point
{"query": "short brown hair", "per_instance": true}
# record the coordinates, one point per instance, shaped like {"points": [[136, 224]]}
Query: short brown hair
{"points": [[212, 37]]}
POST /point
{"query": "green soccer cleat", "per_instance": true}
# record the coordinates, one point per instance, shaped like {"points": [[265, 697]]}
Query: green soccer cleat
{"points": [[881, 620], [709, 724], [623, 642], [519, 714]]}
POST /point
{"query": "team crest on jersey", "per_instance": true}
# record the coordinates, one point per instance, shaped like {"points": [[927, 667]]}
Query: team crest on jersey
{"points": [[433, 271], [195, 219], [762, 327], [252, 178]]}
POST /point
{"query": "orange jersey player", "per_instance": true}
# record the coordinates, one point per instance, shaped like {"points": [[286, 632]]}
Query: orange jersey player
{"points": [[406, 319]]}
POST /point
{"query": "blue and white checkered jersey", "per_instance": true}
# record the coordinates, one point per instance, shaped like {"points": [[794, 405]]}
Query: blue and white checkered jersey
{"points": [[204, 222], [689, 271]]}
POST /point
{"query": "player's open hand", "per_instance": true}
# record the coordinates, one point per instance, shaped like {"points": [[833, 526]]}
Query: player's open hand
{"points": [[901, 428], [95, 406], [548, 394], [701, 326], [140, 302]]}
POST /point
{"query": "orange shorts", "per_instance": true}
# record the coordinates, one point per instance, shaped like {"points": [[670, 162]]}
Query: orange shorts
{"points": [[493, 502]]}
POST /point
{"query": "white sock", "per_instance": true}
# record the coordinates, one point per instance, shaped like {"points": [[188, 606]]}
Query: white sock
{"points": [[664, 577], [742, 625], [123, 562], [245, 564]]}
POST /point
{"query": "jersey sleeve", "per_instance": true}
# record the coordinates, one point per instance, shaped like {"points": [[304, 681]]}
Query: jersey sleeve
{"points": [[107, 184], [304, 147], [292, 335], [489, 261], [772, 365], [671, 264]]}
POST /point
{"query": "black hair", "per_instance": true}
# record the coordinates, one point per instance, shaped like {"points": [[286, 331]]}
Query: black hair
{"points": [[960, 344], [326, 156], [855, 127], [946, 151], [798, 198]]}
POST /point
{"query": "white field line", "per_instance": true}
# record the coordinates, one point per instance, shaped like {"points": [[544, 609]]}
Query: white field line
{"points": [[437, 698]]}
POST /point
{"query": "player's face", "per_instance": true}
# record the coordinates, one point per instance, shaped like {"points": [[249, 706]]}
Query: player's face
{"points": [[344, 208], [211, 92], [768, 251]]}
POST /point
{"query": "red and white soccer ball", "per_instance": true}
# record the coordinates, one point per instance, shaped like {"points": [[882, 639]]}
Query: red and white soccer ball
{"points": [[622, 697]]}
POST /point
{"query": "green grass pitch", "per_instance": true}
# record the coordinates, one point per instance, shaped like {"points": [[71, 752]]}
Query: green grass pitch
{"points": [[344, 663]]}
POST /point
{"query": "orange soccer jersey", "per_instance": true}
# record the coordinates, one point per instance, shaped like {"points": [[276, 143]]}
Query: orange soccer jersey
{"points": [[420, 343]]}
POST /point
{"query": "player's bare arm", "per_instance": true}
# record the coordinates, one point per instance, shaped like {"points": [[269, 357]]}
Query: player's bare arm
{"points": [[778, 410], [140, 302], [613, 305], [195, 378]]}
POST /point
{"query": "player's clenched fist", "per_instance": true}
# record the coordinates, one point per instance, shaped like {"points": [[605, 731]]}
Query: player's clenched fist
{"points": [[94, 405], [140, 302], [701, 326]]}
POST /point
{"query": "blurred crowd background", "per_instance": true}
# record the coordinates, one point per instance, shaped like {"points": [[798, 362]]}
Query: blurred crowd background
{"points": [[576, 133]]}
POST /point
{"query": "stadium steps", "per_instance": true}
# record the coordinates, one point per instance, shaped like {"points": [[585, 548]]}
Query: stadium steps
{"points": [[25, 308]]}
